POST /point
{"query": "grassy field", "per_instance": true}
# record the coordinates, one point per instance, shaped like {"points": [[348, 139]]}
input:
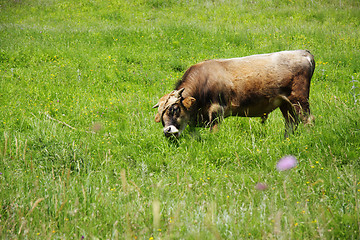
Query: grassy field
{"points": [[81, 156]]}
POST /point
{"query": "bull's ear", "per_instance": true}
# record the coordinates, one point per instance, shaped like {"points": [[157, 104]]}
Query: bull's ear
{"points": [[157, 118], [188, 102], [156, 105]]}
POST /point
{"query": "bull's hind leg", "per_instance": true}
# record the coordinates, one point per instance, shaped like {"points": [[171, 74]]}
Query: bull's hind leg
{"points": [[300, 97], [302, 109], [290, 115]]}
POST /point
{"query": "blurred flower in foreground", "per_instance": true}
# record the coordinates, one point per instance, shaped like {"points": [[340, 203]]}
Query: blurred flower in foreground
{"points": [[261, 186], [96, 127], [286, 163]]}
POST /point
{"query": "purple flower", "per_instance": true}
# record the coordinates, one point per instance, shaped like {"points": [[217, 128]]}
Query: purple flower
{"points": [[261, 186], [286, 163]]}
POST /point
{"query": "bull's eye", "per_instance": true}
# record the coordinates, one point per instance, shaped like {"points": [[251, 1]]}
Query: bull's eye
{"points": [[174, 110]]}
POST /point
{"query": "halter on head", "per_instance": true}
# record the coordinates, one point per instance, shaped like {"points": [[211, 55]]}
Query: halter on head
{"points": [[173, 97]]}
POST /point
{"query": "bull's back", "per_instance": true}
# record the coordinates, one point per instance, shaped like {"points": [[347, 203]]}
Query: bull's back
{"points": [[259, 81], [263, 72], [275, 65]]}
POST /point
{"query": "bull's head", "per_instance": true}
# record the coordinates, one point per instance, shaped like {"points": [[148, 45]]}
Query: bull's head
{"points": [[174, 112]]}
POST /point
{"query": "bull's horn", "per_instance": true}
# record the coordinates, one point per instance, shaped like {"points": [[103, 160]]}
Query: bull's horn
{"points": [[179, 92], [156, 105]]}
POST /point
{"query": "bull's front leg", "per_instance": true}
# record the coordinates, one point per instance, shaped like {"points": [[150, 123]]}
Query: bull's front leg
{"points": [[216, 114], [264, 118]]}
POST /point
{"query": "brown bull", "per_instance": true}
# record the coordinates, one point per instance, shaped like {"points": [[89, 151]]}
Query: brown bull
{"points": [[250, 86]]}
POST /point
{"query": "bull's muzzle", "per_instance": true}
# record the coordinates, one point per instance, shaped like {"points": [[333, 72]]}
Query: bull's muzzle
{"points": [[171, 131]]}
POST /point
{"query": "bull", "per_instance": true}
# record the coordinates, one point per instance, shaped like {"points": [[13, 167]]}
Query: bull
{"points": [[251, 86]]}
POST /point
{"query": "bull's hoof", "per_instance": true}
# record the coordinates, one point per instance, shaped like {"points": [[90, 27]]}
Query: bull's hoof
{"points": [[310, 120]]}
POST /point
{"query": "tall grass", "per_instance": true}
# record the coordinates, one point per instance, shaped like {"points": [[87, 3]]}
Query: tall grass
{"points": [[81, 155]]}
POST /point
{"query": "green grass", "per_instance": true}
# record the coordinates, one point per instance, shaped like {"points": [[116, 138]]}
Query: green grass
{"points": [[99, 67]]}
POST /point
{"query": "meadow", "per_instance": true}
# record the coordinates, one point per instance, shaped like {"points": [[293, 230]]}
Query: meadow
{"points": [[81, 156]]}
